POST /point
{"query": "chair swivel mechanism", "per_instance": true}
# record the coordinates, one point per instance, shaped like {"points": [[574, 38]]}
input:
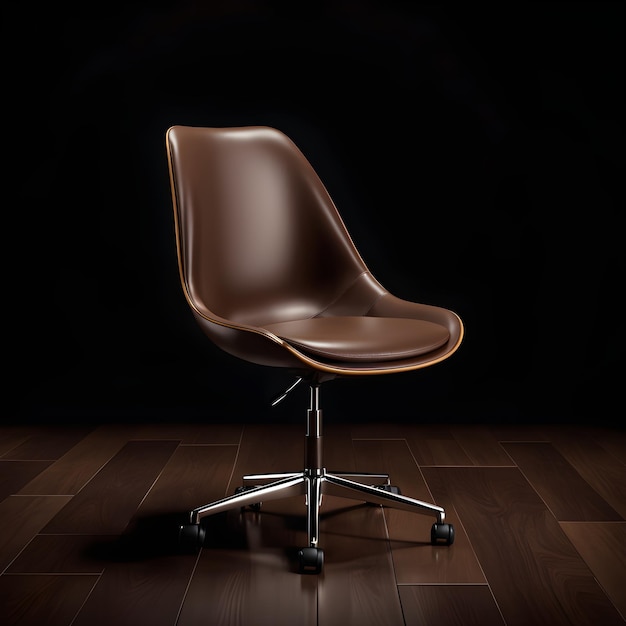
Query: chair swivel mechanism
{"points": [[272, 276]]}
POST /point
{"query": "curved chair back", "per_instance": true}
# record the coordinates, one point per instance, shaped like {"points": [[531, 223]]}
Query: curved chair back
{"points": [[269, 268]]}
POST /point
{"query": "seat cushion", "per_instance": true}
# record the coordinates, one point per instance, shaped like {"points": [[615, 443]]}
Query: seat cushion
{"points": [[362, 338]]}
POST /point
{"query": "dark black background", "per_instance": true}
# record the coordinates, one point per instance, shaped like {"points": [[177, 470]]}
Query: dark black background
{"points": [[474, 150]]}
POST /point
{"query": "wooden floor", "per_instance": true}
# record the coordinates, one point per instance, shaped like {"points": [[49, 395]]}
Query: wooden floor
{"points": [[88, 519]]}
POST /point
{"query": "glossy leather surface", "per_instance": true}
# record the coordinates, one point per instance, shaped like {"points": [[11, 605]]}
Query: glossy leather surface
{"points": [[270, 271]]}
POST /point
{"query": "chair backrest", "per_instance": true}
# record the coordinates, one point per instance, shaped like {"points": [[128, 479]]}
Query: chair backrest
{"points": [[260, 238]]}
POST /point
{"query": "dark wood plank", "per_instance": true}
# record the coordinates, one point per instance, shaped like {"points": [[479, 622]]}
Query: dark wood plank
{"points": [[378, 430], [217, 434], [612, 439], [480, 445], [194, 475], [535, 574], [357, 585], [192, 433], [15, 474], [65, 554], [605, 473], [107, 503], [270, 448], [603, 546], [233, 587], [435, 445], [35, 600], [449, 605], [567, 494], [48, 443], [517, 432], [146, 575], [70, 473], [415, 559], [22, 518], [141, 590], [12, 437], [338, 452]]}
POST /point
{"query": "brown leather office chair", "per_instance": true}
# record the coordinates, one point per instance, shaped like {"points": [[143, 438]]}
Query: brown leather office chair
{"points": [[273, 277]]}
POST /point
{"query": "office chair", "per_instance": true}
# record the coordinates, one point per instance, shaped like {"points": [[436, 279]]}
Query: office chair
{"points": [[272, 277]]}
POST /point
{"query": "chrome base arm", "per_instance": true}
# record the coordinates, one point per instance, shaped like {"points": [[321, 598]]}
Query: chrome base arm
{"points": [[313, 485]]}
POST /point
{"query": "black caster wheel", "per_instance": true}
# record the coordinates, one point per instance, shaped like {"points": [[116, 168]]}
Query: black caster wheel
{"points": [[389, 488], [442, 535], [255, 506], [311, 560], [191, 537]]}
